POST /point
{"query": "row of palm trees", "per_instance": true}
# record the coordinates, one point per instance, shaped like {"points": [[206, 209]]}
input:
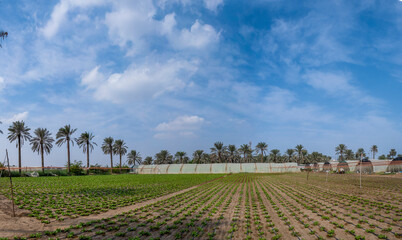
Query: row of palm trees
{"points": [[42, 143]]}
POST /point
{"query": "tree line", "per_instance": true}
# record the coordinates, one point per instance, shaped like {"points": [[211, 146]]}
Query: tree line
{"points": [[42, 143]]}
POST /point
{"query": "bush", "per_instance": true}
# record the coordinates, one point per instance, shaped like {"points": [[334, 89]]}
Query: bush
{"points": [[96, 169], [116, 169], [76, 168]]}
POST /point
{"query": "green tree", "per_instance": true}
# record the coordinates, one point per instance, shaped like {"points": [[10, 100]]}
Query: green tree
{"points": [[374, 150], [180, 156], [274, 155], [349, 155], [299, 150], [163, 157], [148, 160], [360, 152], [290, 152], [85, 141], [18, 132], [107, 148], [218, 149], [197, 156], [392, 153], [134, 157], [232, 152], [262, 148], [42, 143], [340, 150], [64, 136], [246, 150], [119, 148]]}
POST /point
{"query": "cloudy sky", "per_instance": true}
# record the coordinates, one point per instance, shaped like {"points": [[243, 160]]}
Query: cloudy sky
{"points": [[182, 74]]}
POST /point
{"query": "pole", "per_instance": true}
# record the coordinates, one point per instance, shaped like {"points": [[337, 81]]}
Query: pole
{"points": [[11, 183], [361, 161]]}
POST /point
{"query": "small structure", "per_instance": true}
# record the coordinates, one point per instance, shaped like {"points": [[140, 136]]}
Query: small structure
{"points": [[395, 165], [366, 167], [342, 167], [326, 167]]}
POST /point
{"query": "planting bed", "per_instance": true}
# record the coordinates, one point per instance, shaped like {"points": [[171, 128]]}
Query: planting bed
{"points": [[258, 206]]}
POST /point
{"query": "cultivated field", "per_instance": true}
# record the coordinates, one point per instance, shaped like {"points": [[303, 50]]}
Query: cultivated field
{"points": [[238, 206]]}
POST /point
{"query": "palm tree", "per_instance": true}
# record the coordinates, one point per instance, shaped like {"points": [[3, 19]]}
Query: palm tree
{"points": [[360, 152], [1, 132], [262, 147], [85, 141], [107, 148], [232, 151], [42, 143], [197, 155], [148, 160], [134, 157], [64, 136], [163, 157], [290, 153], [340, 150], [275, 153], [374, 150], [218, 149], [180, 156], [120, 148], [245, 149], [18, 131], [392, 153], [3, 35], [299, 150], [349, 155]]}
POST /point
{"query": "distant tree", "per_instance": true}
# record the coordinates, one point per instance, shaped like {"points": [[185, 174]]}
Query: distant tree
{"points": [[85, 141], [3, 35], [275, 155], [163, 157], [148, 160], [18, 132], [119, 148], [64, 136], [232, 152], [0, 130], [360, 152], [262, 147], [42, 143], [392, 153], [134, 157], [349, 155], [315, 157], [290, 153], [197, 156], [340, 150], [219, 150], [382, 157], [107, 148], [374, 150], [246, 150], [180, 156], [299, 150]]}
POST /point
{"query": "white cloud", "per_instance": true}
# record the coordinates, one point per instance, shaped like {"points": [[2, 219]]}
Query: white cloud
{"points": [[183, 126], [213, 4], [16, 117], [60, 11], [140, 82]]}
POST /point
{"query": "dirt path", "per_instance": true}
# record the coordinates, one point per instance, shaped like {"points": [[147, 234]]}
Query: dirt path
{"points": [[22, 225]]}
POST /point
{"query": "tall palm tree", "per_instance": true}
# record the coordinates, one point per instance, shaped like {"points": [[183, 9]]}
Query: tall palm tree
{"points": [[290, 153], [180, 156], [232, 152], [246, 150], [64, 136], [134, 157], [120, 148], [360, 152], [262, 147], [299, 150], [392, 153], [3, 35], [42, 143], [218, 149], [349, 155], [85, 142], [20, 133], [148, 160], [107, 148], [163, 157], [197, 155], [340, 150], [374, 150], [275, 153]]}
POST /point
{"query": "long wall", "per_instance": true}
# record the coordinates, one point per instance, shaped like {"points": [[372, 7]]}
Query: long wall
{"points": [[379, 166]]}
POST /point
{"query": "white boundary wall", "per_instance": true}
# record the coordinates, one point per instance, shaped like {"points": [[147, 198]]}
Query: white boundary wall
{"points": [[379, 166]]}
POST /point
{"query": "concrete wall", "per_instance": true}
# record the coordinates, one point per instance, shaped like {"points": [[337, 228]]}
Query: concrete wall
{"points": [[379, 166]]}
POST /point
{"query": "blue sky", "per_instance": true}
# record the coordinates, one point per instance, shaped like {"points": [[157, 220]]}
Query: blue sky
{"points": [[181, 74]]}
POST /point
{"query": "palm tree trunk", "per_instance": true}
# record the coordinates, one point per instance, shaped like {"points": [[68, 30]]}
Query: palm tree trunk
{"points": [[87, 159], [43, 160], [68, 155], [120, 163], [262, 156], [19, 154], [111, 161]]}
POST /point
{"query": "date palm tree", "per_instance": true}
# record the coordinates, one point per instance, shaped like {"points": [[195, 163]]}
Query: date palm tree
{"points": [[262, 147], [180, 156], [42, 143], [360, 152], [340, 150], [120, 148], [85, 142], [374, 150], [349, 155], [3, 35], [218, 149], [148, 160], [18, 132], [246, 150], [290, 152], [232, 152], [163, 157], [392, 153], [299, 150], [197, 155], [107, 148], [64, 136], [134, 157], [274, 153]]}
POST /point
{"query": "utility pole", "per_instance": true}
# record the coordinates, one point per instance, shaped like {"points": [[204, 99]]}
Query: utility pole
{"points": [[11, 183]]}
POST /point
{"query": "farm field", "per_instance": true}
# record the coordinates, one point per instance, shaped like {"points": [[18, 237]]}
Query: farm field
{"points": [[248, 206]]}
